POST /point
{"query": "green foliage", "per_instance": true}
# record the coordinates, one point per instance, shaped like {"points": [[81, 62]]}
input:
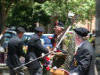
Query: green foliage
{"points": [[39, 15], [56, 8], [27, 12], [21, 15], [84, 8], [40, 1], [69, 42], [26, 16]]}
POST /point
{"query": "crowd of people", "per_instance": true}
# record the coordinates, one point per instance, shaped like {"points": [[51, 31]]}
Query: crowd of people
{"points": [[83, 61]]}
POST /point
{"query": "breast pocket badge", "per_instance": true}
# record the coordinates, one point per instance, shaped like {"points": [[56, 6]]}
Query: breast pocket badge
{"points": [[75, 62]]}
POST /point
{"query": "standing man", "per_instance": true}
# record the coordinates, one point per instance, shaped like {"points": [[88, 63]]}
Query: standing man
{"points": [[83, 61], [35, 49], [15, 46], [59, 56], [58, 29]]}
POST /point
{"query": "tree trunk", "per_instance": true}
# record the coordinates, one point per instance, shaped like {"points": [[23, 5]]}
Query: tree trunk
{"points": [[98, 34], [3, 15], [0, 17]]}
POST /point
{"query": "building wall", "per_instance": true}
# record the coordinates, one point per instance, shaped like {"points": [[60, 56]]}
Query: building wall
{"points": [[87, 24]]}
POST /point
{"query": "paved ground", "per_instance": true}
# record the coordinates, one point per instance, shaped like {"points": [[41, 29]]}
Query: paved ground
{"points": [[6, 72]]}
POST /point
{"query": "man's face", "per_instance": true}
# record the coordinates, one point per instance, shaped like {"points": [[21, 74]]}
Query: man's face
{"points": [[77, 39], [58, 29], [40, 34], [20, 34]]}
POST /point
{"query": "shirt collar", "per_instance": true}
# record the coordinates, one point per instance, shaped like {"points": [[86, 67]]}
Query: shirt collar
{"points": [[81, 44]]}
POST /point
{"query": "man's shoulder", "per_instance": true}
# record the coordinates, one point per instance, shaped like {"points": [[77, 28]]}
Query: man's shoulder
{"points": [[35, 37], [87, 47], [15, 40]]}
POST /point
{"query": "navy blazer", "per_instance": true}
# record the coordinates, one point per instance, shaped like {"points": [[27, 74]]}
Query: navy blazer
{"points": [[35, 49], [84, 60], [15, 50]]}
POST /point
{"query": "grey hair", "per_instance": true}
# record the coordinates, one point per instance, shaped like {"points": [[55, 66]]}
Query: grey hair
{"points": [[83, 38]]}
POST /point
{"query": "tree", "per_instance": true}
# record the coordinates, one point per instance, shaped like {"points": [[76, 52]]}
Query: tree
{"points": [[49, 8], [5, 6], [26, 15], [20, 15], [0, 18], [84, 8]]}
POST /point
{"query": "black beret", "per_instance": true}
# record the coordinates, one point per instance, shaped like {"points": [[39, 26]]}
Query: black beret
{"points": [[39, 29], [60, 24], [81, 31], [20, 29]]}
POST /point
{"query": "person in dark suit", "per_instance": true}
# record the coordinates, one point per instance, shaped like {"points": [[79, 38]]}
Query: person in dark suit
{"points": [[35, 49], [15, 50], [84, 60]]}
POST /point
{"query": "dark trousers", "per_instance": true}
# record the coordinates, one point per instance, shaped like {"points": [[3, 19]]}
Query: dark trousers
{"points": [[35, 71], [1, 57], [18, 72]]}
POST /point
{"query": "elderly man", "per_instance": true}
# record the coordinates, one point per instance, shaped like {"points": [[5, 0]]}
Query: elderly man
{"points": [[83, 60]]}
